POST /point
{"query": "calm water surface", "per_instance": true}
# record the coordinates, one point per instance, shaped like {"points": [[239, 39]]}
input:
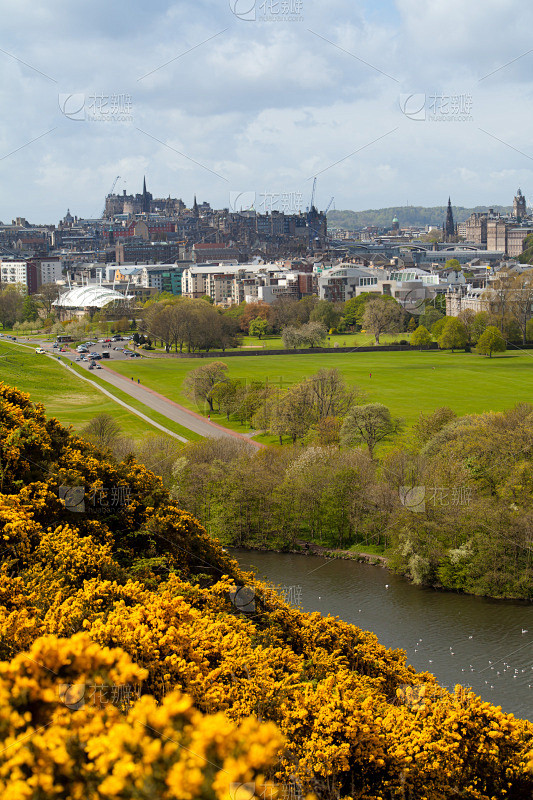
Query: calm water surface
{"points": [[460, 639]]}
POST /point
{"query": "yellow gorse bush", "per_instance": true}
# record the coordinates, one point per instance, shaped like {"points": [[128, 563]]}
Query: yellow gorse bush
{"points": [[129, 672]]}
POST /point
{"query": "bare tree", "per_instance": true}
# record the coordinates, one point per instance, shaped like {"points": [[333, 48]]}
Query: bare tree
{"points": [[48, 294], [200, 382], [159, 453], [521, 301], [369, 425], [329, 394], [102, 431]]}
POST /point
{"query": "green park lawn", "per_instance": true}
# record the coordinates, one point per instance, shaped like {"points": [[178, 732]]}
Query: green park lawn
{"points": [[274, 342], [339, 339], [407, 382], [72, 400]]}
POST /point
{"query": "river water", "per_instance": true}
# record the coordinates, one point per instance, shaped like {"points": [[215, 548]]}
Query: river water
{"points": [[472, 641]]}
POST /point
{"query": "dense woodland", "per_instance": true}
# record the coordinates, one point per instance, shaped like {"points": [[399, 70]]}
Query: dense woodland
{"points": [[131, 671]]}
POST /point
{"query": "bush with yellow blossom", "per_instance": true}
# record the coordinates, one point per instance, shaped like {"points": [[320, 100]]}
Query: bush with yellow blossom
{"points": [[129, 672]]}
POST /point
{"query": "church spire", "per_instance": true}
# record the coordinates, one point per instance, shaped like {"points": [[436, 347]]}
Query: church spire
{"points": [[195, 207], [449, 228], [146, 197]]}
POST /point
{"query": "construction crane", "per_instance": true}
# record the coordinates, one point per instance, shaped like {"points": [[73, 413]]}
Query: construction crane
{"points": [[114, 184], [329, 205], [110, 193], [312, 204]]}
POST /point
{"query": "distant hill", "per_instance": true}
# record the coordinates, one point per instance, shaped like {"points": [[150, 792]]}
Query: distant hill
{"points": [[407, 215]]}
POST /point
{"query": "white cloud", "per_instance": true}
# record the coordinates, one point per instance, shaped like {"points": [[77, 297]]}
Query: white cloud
{"points": [[265, 106]]}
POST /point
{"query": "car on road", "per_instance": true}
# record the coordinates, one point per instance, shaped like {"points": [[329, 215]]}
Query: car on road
{"points": [[55, 344], [91, 366], [40, 350], [78, 359], [94, 353], [106, 355], [117, 339], [97, 366], [117, 348]]}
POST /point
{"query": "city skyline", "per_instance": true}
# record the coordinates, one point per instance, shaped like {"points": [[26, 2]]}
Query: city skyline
{"points": [[227, 97]]}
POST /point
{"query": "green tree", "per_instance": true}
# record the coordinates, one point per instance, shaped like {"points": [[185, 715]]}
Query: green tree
{"points": [[259, 327], [369, 424], [453, 263], [355, 308], [429, 318], [421, 337], [491, 341], [11, 303], [30, 309], [325, 313], [453, 335], [428, 425], [479, 324]]}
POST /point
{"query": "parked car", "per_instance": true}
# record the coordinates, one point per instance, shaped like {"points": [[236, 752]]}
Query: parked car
{"points": [[116, 339], [93, 354], [40, 350], [106, 355], [135, 355], [55, 344]]}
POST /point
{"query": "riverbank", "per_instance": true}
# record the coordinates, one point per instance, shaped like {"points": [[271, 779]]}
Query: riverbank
{"points": [[304, 548]]}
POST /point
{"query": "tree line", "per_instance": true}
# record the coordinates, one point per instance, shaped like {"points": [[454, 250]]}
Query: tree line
{"points": [[451, 509]]}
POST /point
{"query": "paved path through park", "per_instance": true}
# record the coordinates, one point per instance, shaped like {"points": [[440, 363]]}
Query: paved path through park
{"points": [[168, 408]]}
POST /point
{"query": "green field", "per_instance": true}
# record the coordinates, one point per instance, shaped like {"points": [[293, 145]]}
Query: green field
{"points": [[340, 339], [74, 402], [406, 382]]}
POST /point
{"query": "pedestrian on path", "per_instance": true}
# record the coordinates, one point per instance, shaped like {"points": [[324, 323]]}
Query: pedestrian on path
{"points": [[138, 381], [209, 417], [132, 377]]}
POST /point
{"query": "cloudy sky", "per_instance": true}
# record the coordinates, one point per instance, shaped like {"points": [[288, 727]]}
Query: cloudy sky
{"points": [[387, 102]]}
